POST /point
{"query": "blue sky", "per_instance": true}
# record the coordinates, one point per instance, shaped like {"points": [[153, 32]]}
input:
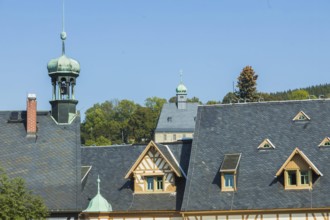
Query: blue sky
{"points": [[134, 49]]}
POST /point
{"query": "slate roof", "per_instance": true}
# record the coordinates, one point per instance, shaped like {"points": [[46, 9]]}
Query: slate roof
{"points": [[182, 120], [165, 151], [49, 163], [112, 164], [240, 128]]}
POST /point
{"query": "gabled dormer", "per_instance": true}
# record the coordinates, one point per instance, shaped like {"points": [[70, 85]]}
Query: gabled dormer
{"points": [[266, 144], [155, 170], [298, 171], [301, 116], [325, 142]]}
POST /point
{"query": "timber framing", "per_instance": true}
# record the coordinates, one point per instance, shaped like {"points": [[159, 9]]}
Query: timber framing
{"points": [[143, 154]]}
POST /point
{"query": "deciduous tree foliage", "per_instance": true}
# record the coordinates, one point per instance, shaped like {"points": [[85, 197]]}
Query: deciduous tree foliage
{"points": [[17, 202], [299, 95], [118, 122], [247, 85]]}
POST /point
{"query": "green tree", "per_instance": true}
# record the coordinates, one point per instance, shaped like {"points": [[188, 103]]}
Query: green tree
{"points": [[155, 103], [108, 120], [247, 82], [112, 122], [142, 125], [194, 100], [172, 99], [16, 202], [212, 102], [299, 94], [230, 97]]}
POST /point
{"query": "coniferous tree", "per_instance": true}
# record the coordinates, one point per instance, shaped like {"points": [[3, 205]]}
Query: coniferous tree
{"points": [[247, 85]]}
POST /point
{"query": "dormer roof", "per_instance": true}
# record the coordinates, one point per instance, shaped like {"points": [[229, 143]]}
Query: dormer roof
{"points": [[164, 152], [304, 157]]}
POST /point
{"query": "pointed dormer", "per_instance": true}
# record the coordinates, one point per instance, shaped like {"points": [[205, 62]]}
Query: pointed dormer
{"points": [[181, 95], [299, 171], [155, 170]]}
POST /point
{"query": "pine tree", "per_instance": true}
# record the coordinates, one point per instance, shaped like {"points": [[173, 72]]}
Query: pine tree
{"points": [[247, 82]]}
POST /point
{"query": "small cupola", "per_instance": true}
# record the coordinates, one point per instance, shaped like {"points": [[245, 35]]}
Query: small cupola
{"points": [[63, 72], [98, 204], [181, 89], [181, 94], [63, 64]]}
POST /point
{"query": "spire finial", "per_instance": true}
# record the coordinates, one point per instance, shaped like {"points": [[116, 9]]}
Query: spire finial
{"points": [[181, 73], [98, 184], [63, 33]]}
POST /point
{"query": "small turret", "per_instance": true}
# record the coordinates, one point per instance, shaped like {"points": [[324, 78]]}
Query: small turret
{"points": [[63, 72], [98, 203], [181, 94]]}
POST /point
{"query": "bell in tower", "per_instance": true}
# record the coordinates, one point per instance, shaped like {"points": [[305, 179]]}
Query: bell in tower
{"points": [[63, 72]]}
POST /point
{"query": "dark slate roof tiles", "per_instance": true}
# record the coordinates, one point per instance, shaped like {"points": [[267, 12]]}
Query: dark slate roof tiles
{"points": [[182, 120], [240, 128], [112, 164], [49, 163]]}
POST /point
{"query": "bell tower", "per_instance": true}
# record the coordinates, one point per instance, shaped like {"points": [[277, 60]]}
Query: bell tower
{"points": [[63, 72]]}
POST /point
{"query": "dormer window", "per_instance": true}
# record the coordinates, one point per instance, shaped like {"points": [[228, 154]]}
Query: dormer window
{"points": [[301, 116], [154, 183], [298, 171], [155, 170], [266, 144], [325, 142], [228, 172]]}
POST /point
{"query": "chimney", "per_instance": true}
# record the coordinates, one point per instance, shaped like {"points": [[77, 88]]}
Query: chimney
{"points": [[31, 115]]}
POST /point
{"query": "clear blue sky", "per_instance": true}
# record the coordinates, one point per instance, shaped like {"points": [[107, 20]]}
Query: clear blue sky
{"points": [[134, 49]]}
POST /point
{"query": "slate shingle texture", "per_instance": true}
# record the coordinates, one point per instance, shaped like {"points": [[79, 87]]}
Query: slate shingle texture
{"points": [[49, 163], [240, 128], [182, 120], [112, 164]]}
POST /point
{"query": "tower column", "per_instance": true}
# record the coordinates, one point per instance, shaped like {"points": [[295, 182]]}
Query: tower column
{"points": [[59, 91], [72, 91], [54, 90]]}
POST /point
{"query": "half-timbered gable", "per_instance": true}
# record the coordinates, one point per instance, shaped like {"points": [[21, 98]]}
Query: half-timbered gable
{"points": [[155, 170]]}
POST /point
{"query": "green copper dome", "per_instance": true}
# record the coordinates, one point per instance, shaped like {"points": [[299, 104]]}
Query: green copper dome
{"points": [[98, 203], [63, 63], [181, 89]]}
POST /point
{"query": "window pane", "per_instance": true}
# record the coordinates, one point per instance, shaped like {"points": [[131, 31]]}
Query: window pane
{"points": [[229, 180], [304, 177], [150, 183], [292, 178], [159, 183]]}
